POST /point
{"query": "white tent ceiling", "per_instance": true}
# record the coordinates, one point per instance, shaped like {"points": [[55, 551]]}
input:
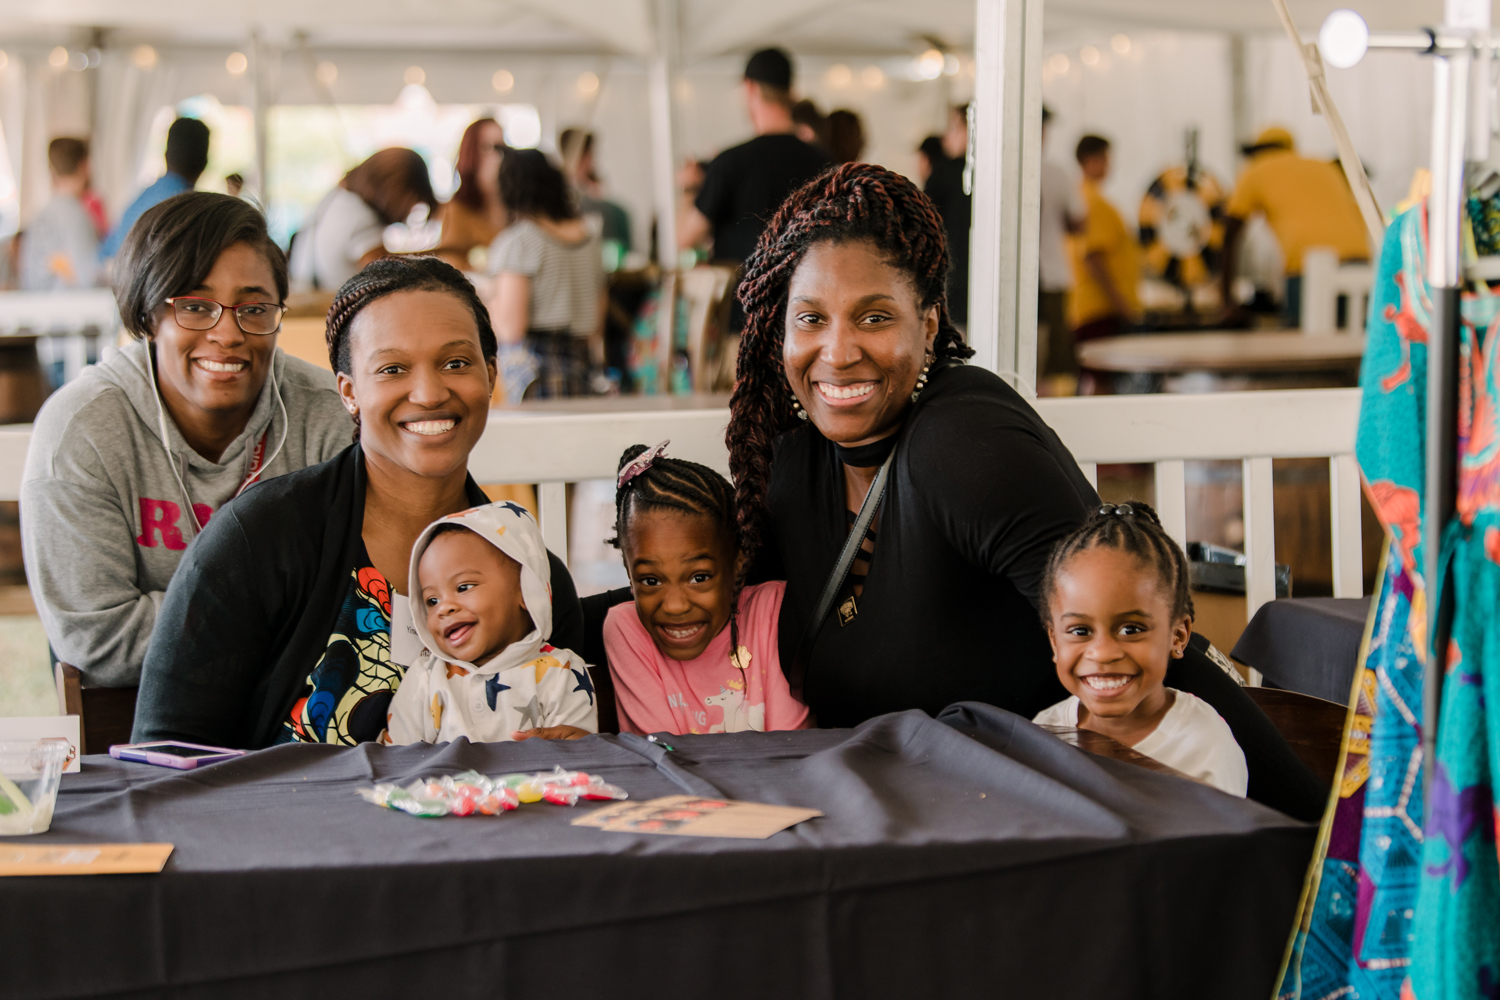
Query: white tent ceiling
{"points": [[708, 28]]}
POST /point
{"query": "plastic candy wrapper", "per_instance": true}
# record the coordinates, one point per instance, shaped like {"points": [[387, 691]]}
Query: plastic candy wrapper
{"points": [[474, 794]]}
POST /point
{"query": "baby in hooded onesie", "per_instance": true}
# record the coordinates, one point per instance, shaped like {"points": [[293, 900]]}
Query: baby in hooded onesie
{"points": [[481, 602]]}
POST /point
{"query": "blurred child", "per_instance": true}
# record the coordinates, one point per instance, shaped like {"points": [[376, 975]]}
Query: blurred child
{"points": [[1117, 609], [481, 602], [670, 649]]}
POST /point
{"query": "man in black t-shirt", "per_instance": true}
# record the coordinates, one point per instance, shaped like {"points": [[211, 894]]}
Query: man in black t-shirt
{"points": [[745, 185]]}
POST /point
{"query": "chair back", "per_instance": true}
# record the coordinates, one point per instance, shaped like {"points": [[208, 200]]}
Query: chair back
{"points": [[1313, 726], [105, 715]]}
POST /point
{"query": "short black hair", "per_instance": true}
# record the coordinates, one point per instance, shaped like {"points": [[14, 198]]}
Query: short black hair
{"points": [[1133, 528], [66, 154], [405, 273], [772, 67], [174, 245], [531, 185], [1091, 146], [187, 148]]}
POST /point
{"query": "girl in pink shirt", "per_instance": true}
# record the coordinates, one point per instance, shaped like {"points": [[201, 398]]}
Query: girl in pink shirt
{"points": [[670, 649]]}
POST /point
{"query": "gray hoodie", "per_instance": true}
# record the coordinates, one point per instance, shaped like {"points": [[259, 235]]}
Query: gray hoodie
{"points": [[104, 521]]}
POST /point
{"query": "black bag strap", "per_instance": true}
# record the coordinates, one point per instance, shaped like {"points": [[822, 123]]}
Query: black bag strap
{"points": [[841, 568]]}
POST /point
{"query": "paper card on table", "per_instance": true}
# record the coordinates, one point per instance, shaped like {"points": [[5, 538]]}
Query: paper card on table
{"points": [[695, 816], [82, 859], [41, 727]]}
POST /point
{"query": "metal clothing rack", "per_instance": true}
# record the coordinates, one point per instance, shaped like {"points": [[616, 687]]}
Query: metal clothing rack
{"points": [[1462, 50]]}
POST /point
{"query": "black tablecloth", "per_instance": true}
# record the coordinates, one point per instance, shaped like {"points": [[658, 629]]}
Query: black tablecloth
{"points": [[1307, 644], [974, 856]]}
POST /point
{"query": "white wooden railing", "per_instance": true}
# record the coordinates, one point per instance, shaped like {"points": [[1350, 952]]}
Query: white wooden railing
{"points": [[554, 449]]}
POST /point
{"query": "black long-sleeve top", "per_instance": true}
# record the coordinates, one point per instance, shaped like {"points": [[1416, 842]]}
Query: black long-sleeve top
{"points": [[250, 608], [980, 491]]}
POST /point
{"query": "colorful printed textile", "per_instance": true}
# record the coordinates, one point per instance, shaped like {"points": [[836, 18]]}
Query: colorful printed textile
{"points": [[1390, 911], [349, 690]]}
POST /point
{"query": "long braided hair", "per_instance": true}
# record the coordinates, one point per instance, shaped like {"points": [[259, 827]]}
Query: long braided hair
{"points": [[688, 488], [853, 202], [387, 276], [1132, 528]]}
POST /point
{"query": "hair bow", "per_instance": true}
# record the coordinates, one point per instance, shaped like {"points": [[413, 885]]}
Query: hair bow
{"points": [[640, 464]]}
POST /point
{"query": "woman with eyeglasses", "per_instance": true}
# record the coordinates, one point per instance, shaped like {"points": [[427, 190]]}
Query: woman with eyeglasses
{"points": [[131, 460], [474, 215]]}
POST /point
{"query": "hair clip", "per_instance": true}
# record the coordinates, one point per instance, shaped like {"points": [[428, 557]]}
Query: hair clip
{"points": [[640, 464], [1120, 509]]}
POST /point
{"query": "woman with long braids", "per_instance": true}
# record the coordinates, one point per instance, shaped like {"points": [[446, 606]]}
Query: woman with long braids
{"points": [[849, 366], [282, 623]]}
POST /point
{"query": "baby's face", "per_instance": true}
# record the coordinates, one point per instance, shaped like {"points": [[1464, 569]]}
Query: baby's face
{"points": [[472, 593], [1113, 633]]}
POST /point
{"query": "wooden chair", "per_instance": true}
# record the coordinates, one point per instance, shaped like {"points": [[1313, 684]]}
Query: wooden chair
{"points": [[105, 715], [1313, 726]]}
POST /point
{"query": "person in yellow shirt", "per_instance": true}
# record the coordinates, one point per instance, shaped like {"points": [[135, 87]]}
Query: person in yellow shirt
{"points": [[1106, 259], [1307, 203]]}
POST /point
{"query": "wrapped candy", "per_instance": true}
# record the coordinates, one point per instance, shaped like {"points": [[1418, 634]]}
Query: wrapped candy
{"points": [[474, 794]]}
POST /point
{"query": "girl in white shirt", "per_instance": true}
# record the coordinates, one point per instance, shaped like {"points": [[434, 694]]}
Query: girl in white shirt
{"points": [[1117, 609]]}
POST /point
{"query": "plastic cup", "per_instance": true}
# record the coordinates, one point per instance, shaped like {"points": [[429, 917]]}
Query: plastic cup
{"points": [[30, 771]]}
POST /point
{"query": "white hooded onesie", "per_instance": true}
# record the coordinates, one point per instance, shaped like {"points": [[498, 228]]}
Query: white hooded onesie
{"points": [[527, 685]]}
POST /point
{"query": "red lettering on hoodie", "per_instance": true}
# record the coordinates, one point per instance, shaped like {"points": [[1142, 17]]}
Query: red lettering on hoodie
{"points": [[159, 517]]}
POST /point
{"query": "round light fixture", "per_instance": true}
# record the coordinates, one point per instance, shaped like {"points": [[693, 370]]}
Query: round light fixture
{"points": [[1344, 39]]}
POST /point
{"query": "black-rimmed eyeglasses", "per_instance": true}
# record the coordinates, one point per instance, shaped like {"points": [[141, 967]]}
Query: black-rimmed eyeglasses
{"points": [[194, 313]]}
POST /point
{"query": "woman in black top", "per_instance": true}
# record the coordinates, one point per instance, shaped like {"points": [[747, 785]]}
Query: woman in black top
{"points": [[848, 352], [283, 622]]}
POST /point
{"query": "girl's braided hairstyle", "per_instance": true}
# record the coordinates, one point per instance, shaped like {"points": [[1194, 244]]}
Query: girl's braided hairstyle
{"points": [[853, 202], [688, 488], [387, 276], [1126, 527]]}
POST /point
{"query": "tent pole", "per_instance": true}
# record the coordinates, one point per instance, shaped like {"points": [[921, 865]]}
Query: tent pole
{"points": [[661, 72], [1006, 171], [260, 113]]}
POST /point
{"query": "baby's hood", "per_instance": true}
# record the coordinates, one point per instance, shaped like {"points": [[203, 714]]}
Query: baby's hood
{"points": [[508, 527]]}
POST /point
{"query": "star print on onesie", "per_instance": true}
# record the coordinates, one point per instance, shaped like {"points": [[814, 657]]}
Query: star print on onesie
{"points": [[529, 684]]}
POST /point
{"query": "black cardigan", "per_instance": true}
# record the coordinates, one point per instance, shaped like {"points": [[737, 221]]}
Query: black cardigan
{"points": [[980, 492], [251, 606]]}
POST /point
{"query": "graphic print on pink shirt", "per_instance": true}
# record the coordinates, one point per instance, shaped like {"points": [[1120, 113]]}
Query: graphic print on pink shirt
{"points": [[709, 694]]}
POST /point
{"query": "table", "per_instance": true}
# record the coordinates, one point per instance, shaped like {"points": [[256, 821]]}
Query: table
{"points": [[1223, 352], [970, 855], [1307, 644]]}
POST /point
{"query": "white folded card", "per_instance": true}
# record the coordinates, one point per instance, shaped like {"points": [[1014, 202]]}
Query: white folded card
{"points": [[41, 727]]}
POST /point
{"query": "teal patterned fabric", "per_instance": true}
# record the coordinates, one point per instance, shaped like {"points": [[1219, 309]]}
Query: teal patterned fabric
{"points": [[1393, 911]]}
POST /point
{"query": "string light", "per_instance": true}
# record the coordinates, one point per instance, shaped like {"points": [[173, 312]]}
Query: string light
{"points": [[144, 57], [415, 76], [236, 63], [1089, 55], [1121, 44], [588, 84], [326, 73], [502, 81], [58, 58], [872, 77], [840, 76]]}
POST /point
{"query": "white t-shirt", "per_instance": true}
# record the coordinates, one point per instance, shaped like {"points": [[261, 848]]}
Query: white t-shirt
{"points": [[1190, 738], [340, 231], [1061, 198]]}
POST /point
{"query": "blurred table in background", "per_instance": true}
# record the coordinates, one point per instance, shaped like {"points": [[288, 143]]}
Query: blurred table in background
{"points": [[1309, 644]]}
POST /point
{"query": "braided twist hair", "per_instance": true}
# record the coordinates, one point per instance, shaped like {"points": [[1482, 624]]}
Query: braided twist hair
{"points": [[390, 275], [685, 487], [852, 202], [1133, 528]]}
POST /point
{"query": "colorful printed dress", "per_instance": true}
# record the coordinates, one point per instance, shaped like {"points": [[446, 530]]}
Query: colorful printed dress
{"points": [[1393, 910], [348, 692]]}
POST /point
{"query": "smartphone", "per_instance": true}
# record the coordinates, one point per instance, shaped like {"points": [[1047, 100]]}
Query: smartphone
{"points": [[171, 753]]}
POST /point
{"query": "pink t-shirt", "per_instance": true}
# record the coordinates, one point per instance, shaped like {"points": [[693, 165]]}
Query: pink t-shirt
{"points": [[657, 694]]}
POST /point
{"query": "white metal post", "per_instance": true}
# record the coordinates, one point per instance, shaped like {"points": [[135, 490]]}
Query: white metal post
{"points": [[1007, 123], [661, 73]]}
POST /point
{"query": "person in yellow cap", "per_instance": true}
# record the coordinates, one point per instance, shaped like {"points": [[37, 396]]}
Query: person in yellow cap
{"points": [[1306, 202]]}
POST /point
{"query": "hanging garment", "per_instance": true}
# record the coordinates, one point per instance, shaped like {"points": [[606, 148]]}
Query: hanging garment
{"points": [[1390, 912]]}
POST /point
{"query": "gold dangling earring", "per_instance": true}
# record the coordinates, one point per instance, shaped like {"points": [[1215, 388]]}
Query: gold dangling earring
{"points": [[921, 380], [796, 406]]}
